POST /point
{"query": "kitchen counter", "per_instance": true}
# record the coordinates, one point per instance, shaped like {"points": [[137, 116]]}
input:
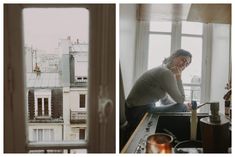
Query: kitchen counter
{"points": [[146, 127]]}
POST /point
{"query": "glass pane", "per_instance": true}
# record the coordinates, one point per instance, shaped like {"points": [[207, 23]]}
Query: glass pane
{"points": [[46, 135], [82, 100], [82, 134], [192, 74], [192, 93], [52, 134], [46, 109], [40, 135], [159, 48], [156, 26], [192, 28], [34, 135], [39, 106]]}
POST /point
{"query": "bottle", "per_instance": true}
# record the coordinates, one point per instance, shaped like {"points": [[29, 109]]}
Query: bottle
{"points": [[227, 108]]}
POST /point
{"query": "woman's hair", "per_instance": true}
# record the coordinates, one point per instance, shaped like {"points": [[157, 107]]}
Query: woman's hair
{"points": [[180, 52]]}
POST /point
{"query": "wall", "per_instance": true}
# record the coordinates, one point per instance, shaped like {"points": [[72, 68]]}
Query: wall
{"points": [[220, 62], [71, 101], [127, 44], [66, 112]]}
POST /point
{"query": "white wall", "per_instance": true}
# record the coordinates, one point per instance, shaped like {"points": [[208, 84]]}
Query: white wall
{"points": [[127, 44], [220, 62], [71, 101], [74, 99]]}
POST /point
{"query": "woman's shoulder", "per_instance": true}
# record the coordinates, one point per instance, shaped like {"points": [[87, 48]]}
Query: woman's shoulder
{"points": [[160, 69]]}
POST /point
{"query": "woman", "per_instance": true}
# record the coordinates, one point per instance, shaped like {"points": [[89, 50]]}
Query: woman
{"points": [[156, 84]]}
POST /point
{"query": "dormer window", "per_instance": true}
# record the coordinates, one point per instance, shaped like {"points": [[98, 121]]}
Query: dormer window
{"points": [[43, 107], [42, 103]]}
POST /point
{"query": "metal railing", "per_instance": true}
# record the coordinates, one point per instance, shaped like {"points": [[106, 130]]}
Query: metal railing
{"points": [[192, 92], [57, 147]]}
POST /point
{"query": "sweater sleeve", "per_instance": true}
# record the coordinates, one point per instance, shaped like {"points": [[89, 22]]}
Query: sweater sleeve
{"points": [[166, 101], [172, 86]]}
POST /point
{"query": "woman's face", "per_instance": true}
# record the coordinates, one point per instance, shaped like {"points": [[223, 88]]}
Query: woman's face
{"points": [[181, 62]]}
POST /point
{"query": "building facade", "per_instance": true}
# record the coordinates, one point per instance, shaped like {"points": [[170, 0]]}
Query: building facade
{"points": [[57, 93]]}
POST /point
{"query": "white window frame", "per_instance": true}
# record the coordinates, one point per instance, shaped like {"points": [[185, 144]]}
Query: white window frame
{"points": [[36, 136], [42, 94], [192, 84], [176, 35]]}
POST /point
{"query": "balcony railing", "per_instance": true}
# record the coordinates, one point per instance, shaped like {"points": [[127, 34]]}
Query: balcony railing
{"points": [[57, 147], [78, 117], [192, 92]]}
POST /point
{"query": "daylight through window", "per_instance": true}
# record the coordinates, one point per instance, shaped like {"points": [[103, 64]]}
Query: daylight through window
{"points": [[56, 54]]}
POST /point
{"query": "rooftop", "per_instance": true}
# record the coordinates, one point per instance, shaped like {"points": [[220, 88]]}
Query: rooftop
{"points": [[43, 80]]}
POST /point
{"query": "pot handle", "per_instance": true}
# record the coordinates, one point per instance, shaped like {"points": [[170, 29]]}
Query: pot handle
{"points": [[175, 141]]}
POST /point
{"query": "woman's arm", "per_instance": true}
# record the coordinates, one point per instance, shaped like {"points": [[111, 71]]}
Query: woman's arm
{"points": [[173, 86]]}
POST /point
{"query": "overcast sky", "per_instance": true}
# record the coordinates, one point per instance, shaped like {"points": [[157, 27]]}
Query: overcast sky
{"points": [[44, 27]]}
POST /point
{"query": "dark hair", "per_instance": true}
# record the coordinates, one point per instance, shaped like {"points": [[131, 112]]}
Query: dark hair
{"points": [[179, 52]]}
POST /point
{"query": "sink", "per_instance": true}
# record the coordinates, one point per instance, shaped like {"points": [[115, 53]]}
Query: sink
{"points": [[178, 125]]}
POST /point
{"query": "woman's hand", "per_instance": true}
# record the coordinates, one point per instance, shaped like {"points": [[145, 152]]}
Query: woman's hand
{"points": [[177, 72], [189, 106]]}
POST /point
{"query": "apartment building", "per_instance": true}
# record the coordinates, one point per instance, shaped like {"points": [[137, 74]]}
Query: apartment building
{"points": [[57, 99]]}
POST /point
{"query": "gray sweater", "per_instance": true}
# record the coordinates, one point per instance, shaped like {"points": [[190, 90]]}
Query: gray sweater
{"points": [[156, 84]]}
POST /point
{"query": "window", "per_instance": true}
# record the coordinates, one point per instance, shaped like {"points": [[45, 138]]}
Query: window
{"points": [[186, 35], [191, 40], [192, 28], [156, 26], [46, 107], [56, 54], [42, 106], [82, 134], [82, 100], [43, 135], [103, 34], [39, 107], [159, 43]]}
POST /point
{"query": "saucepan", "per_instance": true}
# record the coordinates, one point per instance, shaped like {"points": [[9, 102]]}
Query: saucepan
{"points": [[187, 146], [159, 143]]}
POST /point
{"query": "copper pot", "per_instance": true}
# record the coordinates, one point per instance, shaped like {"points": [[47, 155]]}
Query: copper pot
{"points": [[159, 143]]}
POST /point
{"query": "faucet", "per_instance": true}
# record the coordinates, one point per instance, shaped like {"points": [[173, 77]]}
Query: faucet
{"points": [[193, 121], [214, 117]]}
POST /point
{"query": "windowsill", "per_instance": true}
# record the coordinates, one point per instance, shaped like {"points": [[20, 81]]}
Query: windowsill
{"points": [[43, 117], [46, 120], [57, 145]]}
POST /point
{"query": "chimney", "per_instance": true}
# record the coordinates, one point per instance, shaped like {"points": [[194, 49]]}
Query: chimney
{"points": [[72, 69], [67, 69]]}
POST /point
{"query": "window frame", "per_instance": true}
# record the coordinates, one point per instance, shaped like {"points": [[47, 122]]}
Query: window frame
{"points": [[176, 37], [84, 129], [80, 95], [43, 94], [102, 28], [36, 133], [193, 84]]}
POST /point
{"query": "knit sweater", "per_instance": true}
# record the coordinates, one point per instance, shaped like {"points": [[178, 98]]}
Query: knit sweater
{"points": [[156, 84]]}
